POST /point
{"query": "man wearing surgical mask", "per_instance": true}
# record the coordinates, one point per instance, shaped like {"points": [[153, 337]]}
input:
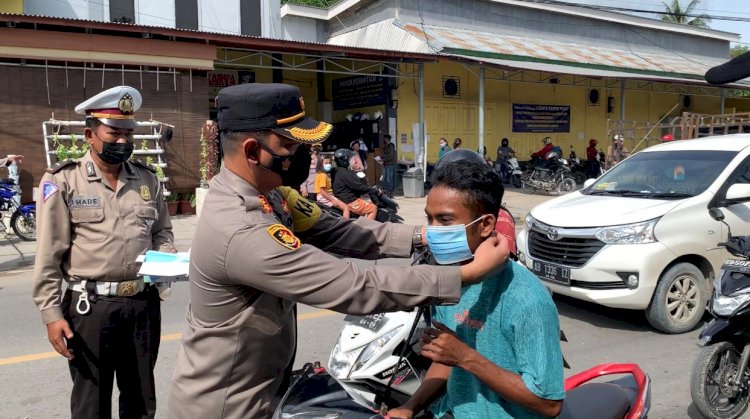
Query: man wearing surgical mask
{"points": [[496, 354]]}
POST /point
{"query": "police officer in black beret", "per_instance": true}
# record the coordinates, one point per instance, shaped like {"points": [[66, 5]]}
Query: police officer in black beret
{"points": [[258, 249]]}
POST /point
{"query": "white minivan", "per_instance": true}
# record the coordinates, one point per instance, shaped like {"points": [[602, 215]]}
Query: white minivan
{"points": [[640, 236]]}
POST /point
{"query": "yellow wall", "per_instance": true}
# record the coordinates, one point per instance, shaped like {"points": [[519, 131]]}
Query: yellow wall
{"points": [[11, 6], [451, 118]]}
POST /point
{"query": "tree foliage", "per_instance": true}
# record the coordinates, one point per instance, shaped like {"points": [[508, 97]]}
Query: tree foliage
{"points": [[675, 13], [738, 50]]}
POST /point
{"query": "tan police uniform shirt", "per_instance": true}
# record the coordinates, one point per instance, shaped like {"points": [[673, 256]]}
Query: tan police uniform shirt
{"points": [[87, 230], [247, 270]]}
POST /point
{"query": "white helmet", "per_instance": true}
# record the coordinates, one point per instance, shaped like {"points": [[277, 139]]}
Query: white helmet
{"points": [[365, 117], [377, 115], [349, 117]]}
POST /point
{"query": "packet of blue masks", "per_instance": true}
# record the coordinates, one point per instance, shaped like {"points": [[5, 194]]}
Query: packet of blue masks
{"points": [[164, 267], [449, 244]]}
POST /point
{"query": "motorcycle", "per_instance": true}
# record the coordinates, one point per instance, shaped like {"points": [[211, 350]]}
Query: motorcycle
{"points": [[720, 381], [22, 217], [387, 207], [375, 364], [509, 171], [577, 169], [555, 176]]}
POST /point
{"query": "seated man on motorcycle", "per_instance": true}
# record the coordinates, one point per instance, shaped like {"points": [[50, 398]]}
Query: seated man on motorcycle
{"points": [[496, 353], [539, 158], [350, 184], [504, 152]]}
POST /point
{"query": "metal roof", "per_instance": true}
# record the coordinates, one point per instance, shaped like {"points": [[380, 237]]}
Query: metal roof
{"points": [[386, 34], [557, 56], [222, 39]]}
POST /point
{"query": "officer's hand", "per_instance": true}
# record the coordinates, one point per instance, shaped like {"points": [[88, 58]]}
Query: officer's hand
{"points": [[489, 256], [59, 333]]}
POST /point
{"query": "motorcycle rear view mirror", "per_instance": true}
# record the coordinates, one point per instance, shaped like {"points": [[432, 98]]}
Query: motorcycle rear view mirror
{"points": [[716, 214]]}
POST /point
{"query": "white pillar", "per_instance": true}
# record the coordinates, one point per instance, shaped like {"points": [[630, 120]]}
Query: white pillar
{"points": [[423, 138], [481, 111]]}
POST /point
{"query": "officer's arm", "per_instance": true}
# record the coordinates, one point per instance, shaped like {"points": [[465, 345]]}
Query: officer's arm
{"points": [[53, 241], [362, 238], [162, 238], [271, 259]]}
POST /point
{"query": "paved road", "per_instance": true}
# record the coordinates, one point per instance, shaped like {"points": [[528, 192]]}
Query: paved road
{"points": [[34, 382]]}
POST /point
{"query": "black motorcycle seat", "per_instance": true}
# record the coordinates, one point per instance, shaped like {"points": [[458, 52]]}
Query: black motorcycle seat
{"points": [[596, 400]]}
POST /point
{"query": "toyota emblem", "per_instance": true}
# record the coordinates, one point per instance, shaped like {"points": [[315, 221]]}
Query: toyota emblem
{"points": [[553, 234]]}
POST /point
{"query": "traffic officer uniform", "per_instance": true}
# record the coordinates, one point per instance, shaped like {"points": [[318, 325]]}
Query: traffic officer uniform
{"points": [[89, 236], [249, 265]]}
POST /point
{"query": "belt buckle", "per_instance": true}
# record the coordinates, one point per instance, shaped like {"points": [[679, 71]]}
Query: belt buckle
{"points": [[128, 288]]}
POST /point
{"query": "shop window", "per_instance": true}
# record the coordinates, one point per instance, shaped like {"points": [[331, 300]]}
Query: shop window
{"points": [[122, 11], [186, 14]]}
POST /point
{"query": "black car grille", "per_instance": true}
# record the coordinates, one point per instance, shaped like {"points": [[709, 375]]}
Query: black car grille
{"points": [[616, 285], [568, 251]]}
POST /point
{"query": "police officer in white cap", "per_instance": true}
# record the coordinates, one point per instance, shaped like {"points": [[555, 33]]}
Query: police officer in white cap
{"points": [[96, 215]]}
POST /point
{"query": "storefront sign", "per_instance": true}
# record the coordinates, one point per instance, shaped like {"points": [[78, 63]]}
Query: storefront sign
{"points": [[541, 118], [358, 92], [220, 79]]}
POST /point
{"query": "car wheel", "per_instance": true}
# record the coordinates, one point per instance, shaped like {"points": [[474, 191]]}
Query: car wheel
{"points": [[679, 300]]}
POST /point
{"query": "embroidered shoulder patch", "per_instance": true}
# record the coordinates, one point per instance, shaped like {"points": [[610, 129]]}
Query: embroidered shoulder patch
{"points": [[284, 236], [48, 189]]}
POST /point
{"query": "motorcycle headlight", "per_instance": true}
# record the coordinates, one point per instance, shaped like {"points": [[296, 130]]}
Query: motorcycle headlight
{"points": [[374, 347], [638, 233], [725, 305], [341, 362]]}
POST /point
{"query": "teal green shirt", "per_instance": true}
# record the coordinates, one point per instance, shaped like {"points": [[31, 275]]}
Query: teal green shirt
{"points": [[511, 320]]}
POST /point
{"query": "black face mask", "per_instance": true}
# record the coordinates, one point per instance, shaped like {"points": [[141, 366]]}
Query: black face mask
{"points": [[115, 153], [299, 166]]}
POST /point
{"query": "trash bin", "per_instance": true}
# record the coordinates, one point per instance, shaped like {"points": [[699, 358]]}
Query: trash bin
{"points": [[413, 183]]}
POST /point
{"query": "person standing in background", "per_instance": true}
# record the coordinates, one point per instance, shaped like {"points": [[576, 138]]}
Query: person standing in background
{"points": [[592, 161], [457, 143], [308, 189], [390, 163], [443, 148]]}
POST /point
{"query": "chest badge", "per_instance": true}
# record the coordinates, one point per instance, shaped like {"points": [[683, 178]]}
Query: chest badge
{"points": [[265, 206], [90, 171], [284, 236], [145, 193]]}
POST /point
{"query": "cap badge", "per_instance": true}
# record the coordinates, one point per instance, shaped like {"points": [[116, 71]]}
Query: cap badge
{"points": [[126, 103], [145, 193]]}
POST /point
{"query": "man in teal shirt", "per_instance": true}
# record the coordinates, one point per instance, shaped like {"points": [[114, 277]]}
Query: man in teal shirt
{"points": [[496, 354]]}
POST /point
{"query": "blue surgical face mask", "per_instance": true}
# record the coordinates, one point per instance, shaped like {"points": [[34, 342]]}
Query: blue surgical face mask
{"points": [[449, 244], [327, 167]]}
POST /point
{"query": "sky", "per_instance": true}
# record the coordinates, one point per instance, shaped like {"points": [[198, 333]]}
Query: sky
{"points": [[733, 8]]}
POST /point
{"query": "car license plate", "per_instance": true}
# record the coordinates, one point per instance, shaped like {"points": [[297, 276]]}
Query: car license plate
{"points": [[551, 273], [373, 322]]}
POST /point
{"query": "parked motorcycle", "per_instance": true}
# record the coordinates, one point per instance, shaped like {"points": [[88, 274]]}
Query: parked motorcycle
{"points": [[22, 217], [554, 176], [577, 169], [376, 364], [509, 171], [720, 382], [387, 207]]}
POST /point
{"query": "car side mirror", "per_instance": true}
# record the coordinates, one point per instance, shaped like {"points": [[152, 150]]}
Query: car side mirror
{"points": [[588, 182]]}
